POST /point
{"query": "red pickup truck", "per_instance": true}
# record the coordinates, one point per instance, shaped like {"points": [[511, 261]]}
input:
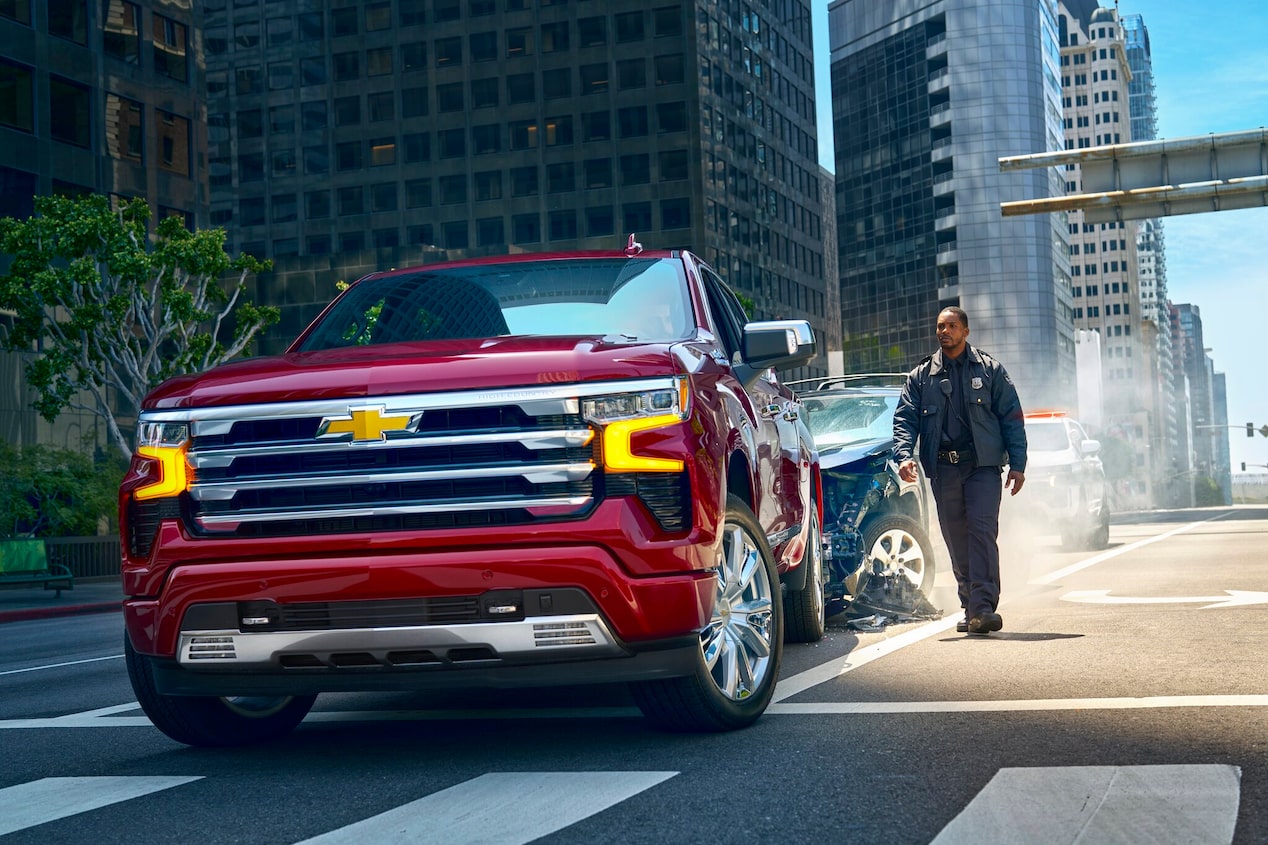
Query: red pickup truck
{"points": [[529, 470]]}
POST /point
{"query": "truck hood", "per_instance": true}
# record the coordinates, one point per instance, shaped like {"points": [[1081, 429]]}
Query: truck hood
{"points": [[393, 369], [841, 457]]}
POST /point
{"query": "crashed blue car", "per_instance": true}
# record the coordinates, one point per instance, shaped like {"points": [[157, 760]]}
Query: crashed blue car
{"points": [[875, 525]]}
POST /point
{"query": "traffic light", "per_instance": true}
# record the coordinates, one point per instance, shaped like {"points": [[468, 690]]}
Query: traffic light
{"points": [[1250, 429]]}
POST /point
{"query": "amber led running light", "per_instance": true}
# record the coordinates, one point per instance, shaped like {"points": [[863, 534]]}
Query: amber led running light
{"points": [[164, 443], [623, 414]]}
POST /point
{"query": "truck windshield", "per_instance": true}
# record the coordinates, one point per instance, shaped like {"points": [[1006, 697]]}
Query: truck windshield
{"points": [[629, 299]]}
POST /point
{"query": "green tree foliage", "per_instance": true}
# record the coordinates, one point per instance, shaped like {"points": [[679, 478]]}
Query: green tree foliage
{"points": [[51, 492], [110, 310]]}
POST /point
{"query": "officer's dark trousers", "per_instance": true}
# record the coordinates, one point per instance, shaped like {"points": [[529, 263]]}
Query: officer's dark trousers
{"points": [[968, 498]]}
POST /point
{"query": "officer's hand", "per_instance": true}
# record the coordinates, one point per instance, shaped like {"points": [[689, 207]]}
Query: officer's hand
{"points": [[1014, 481], [907, 471]]}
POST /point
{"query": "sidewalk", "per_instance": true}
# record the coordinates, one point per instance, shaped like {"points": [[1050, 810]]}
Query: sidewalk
{"points": [[94, 595]]}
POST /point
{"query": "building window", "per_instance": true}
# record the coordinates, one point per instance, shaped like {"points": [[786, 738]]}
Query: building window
{"points": [[383, 196], [351, 241], [316, 160], [526, 229], [637, 217], [524, 181], [67, 19], [519, 42], [281, 120], [481, 8], [347, 67], [348, 156], [378, 62], [121, 31], [563, 225], [449, 52], [671, 117], [382, 106], [453, 143], [520, 88], [313, 115], [251, 211], [594, 78], [421, 235], [672, 166], [484, 46], [17, 109], [484, 93], [631, 73], [557, 84], [344, 21], [597, 172], [561, 178], [351, 200], [523, 134], [456, 234], [453, 189], [632, 121], [418, 193], [382, 151], [415, 102], [285, 208], [311, 26], [281, 76], [669, 69], [447, 10], [596, 126], [559, 131], [125, 128], [600, 221], [19, 11], [675, 213], [173, 142], [636, 169], [449, 98], [312, 70], [555, 37], [414, 56], [171, 46], [70, 112], [488, 185], [490, 232], [592, 32], [348, 110], [486, 139], [417, 147], [378, 16], [667, 21], [629, 27]]}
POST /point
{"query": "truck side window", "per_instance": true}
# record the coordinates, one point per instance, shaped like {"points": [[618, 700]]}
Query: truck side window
{"points": [[725, 309]]}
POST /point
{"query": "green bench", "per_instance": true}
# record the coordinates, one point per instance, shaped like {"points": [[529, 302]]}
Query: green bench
{"points": [[25, 562]]}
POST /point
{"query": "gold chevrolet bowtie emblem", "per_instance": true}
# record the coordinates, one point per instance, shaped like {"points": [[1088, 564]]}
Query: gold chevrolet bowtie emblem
{"points": [[365, 424]]}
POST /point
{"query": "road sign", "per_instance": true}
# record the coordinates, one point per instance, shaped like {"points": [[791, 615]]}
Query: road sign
{"points": [[1233, 598]]}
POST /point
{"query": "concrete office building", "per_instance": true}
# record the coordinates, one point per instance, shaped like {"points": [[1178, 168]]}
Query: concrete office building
{"points": [[350, 136], [927, 95], [96, 96]]}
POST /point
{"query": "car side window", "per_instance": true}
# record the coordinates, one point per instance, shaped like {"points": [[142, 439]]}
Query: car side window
{"points": [[725, 309]]}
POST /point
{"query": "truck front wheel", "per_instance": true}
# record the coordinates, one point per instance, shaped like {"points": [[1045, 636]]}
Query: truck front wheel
{"points": [[209, 722], [738, 663]]}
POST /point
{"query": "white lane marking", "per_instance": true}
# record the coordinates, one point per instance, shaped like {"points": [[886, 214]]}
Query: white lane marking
{"points": [[50, 799], [499, 808], [1106, 805], [802, 681], [1233, 598], [1053, 577], [1016, 705], [60, 665]]}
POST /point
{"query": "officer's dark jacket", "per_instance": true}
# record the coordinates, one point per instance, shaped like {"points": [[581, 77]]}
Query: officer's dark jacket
{"points": [[995, 415]]}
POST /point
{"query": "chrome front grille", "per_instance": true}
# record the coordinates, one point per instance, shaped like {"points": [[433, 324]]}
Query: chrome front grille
{"points": [[391, 463]]}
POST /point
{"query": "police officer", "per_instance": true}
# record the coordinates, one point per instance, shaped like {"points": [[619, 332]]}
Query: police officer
{"points": [[961, 406]]}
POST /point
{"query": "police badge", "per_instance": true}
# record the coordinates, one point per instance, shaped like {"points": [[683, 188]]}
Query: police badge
{"points": [[977, 383]]}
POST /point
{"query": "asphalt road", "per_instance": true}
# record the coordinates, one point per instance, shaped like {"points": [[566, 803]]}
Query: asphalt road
{"points": [[1124, 701]]}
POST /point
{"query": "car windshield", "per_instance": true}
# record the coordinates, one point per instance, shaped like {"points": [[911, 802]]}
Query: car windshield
{"points": [[1046, 437], [632, 299], [842, 420]]}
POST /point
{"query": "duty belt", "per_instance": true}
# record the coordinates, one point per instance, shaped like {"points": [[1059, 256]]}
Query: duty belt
{"points": [[953, 457]]}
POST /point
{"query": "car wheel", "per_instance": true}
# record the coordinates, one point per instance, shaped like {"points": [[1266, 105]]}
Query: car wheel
{"points": [[738, 661], [1098, 537], [209, 722], [805, 610], [896, 546]]}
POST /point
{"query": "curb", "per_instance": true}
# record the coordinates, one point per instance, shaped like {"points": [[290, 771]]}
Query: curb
{"points": [[29, 613]]}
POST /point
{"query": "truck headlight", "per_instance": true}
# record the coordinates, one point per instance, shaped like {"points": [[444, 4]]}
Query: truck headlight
{"points": [[161, 454], [621, 415]]}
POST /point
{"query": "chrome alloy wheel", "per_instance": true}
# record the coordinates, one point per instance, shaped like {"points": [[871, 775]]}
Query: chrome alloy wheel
{"points": [[737, 643], [898, 552]]}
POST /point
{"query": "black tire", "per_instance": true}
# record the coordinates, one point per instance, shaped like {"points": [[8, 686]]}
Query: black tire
{"points": [[897, 544], [1098, 537], [208, 722], [805, 610], [740, 649]]}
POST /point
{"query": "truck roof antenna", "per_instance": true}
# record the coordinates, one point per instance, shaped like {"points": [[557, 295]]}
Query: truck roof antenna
{"points": [[633, 247]]}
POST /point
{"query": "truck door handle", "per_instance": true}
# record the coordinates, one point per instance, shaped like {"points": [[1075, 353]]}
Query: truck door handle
{"points": [[769, 412]]}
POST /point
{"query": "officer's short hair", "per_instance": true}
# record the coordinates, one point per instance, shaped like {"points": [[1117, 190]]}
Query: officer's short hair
{"points": [[959, 314]]}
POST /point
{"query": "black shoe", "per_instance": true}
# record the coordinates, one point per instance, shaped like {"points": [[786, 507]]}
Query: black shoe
{"points": [[962, 627], [986, 622]]}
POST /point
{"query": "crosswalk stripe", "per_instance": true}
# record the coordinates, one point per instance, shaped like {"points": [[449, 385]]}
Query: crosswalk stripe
{"points": [[50, 799], [499, 808], [1108, 805]]}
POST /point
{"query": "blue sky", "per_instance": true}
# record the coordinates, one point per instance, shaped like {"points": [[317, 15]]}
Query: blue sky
{"points": [[1210, 65]]}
